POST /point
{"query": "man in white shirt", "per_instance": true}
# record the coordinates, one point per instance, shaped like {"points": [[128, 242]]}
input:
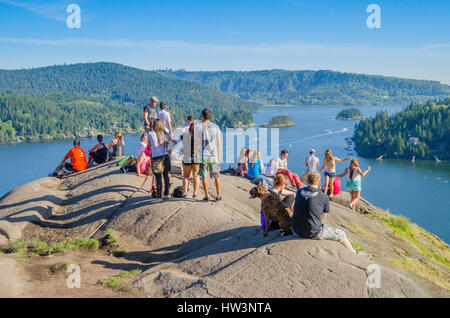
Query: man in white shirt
{"points": [[312, 163], [165, 117], [281, 168]]}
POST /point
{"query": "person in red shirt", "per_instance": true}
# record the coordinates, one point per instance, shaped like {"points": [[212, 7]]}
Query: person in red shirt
{"points": [[77, 157]]}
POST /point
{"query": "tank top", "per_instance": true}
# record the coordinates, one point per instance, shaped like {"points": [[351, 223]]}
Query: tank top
{"points": [[312, 163], [354, 175], [329, 167], [119, 149]]}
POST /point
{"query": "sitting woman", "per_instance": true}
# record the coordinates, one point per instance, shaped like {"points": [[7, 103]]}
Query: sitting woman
{"points": [[242, 168], [254, 164], [142, 162], [279, 191], [118, 147], [270, 170], [288, 200]]}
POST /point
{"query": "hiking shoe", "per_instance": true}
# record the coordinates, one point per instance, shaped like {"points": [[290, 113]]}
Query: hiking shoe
{"points": [[165, 197], [218, 198], [183, 196], [206, 199], [363, 254], [194, 196]]}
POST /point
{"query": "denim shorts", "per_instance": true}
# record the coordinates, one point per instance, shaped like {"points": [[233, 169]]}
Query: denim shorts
{"points": [[353, 186]]}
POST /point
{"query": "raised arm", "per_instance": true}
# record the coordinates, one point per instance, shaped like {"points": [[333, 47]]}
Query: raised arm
{"points": [[365, 172], [340, 160], [323, 166]]}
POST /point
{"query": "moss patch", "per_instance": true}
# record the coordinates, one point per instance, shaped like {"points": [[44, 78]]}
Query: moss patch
{"points": [[424, 269]]}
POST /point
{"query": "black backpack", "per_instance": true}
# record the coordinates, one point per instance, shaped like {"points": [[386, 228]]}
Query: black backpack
{"points": [[177, 192]]}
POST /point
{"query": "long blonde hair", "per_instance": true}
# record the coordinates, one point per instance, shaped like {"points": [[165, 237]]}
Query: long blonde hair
{"points": [[330, 154], [159, 131]]}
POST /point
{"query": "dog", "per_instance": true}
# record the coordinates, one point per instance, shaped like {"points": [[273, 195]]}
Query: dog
{"points": [[273, 210]]}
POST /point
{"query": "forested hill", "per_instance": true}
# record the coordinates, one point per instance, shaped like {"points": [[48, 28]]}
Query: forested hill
{"points": [[317, 87], [422, 131], [79, 93]]}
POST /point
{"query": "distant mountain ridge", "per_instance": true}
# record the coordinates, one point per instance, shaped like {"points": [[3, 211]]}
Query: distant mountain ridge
{"points": [[102, 97], [316, 87]]}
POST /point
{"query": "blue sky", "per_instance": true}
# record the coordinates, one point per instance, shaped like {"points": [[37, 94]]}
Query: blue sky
{"points": [[413, 41]]}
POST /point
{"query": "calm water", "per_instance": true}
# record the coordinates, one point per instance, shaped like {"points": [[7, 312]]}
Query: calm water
{"points": [[419, 191]]}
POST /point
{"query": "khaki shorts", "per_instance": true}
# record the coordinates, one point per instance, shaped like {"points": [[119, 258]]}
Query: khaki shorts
{"points": [[330, 233]]}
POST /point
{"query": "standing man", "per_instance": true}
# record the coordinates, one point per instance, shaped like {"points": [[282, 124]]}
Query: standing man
{"points": [[312, 163], [211, 153], [150, 114], [281, 168], [165, 117]]}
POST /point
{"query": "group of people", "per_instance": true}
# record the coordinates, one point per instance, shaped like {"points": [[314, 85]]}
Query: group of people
{"points": [[99, 154], [310, 204], [201, 157], [202, 150]]}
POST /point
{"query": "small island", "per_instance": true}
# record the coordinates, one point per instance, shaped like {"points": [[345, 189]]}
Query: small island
{"points": [[349, 114], [280, 121]]}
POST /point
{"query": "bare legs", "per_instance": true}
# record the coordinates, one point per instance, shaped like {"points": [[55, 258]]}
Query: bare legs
{"points": [[205, 186], [329, 184], [354, 197], [187, 170], [346, 243]]}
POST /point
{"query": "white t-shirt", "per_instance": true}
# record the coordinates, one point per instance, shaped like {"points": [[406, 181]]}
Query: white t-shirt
{"points": [[165, 117], [141, 147], [313, 162], [281, 164], [158, 149]]}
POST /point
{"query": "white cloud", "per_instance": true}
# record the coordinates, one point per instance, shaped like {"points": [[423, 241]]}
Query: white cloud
{"points": [[54, 11]]}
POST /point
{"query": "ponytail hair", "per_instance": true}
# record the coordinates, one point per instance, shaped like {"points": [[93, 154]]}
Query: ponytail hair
{"points": [[280, 180]]}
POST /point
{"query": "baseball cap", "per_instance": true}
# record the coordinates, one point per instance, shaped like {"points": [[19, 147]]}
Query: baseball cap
{"points": [[312, 150], [154, 98]]}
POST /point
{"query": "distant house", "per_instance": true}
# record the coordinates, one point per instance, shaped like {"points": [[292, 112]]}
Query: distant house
{"points": [[412, 141]]}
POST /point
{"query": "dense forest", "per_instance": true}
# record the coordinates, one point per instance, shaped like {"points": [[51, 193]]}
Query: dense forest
{"points": [[82, 99], [418, 130], [349, 113], [317, 87], [280, 121]]}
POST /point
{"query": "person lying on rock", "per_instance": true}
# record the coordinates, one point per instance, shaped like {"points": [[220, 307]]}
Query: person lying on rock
{"points": [[311, 206]]}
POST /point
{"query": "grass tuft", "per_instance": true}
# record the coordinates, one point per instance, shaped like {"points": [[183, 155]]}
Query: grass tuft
{"points": [[117, 280]]}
